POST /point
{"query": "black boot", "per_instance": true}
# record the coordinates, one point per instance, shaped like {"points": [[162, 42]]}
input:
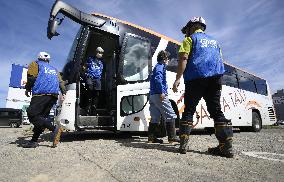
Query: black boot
{"points": [[224, 134], [152, 138], [184, 131], [95, 101], [89, 107], [94, 110], [171, 131]]}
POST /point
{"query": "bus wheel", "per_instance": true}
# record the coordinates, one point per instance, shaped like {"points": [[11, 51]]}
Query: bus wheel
{"points": [[256, 122], [13, 125]]}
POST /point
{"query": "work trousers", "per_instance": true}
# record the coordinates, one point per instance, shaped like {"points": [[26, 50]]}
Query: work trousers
{"points": [[208, 88], [38, 112], [94, 89], [158, 108]]}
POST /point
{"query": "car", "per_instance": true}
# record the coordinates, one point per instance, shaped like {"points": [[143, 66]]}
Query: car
{"points": [[10, 117], [280, 122]]}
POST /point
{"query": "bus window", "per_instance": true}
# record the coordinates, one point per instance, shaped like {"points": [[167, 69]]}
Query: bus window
{"points": [[133, 104], [4, 113], [230, 79], [136, 60], [261, 87], [247, 84], [172, 65], [15, 113], [173, 62]]}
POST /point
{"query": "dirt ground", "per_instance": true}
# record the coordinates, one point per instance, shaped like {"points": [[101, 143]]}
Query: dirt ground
{"points": [[105, 156]]}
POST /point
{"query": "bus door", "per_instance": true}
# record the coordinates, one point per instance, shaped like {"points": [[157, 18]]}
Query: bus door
{"points": [[96, 31], [133, 85], [106, 107]]}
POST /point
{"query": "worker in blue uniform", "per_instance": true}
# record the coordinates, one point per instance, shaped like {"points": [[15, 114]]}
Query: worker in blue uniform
{"points": [[201, 64], [94, 70], [160, 104], [45, 82]]}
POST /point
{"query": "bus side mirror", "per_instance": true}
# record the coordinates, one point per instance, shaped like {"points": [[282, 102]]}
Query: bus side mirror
{"points": [[52, 26]]}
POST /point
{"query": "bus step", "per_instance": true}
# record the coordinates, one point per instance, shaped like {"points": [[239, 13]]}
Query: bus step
{"points": [[103, 112], [95, 121]]}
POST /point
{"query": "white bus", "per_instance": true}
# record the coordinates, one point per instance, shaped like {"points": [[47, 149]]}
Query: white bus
{"points": [[130, 53]]}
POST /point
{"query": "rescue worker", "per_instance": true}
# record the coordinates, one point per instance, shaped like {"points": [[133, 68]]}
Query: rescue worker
{"points": [[201, 64], [160, 103], [44, 81], [94, 69]]}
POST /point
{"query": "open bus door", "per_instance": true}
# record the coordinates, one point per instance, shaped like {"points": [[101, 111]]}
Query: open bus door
{"points": [[133, 91], [106, 107], [94, 32]]}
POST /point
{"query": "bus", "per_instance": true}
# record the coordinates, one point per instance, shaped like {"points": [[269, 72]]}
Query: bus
{"points": [[130, 52]]}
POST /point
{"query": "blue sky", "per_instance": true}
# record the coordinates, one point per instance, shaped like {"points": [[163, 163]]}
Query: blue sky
{"points": [[250, 31]]}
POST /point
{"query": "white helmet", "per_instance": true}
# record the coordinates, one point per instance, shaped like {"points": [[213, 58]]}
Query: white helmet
{"points": [[196, 19], [43, 56], [99, 50]]}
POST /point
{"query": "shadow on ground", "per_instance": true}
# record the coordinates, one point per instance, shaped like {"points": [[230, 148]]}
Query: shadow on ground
{"points": [[126, 139]]}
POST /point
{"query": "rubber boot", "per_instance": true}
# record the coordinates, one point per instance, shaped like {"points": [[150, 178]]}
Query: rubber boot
{"points": [[89, 107], [184, 131], [224, 134], [95, 101], [152, 138], [171, 131]]}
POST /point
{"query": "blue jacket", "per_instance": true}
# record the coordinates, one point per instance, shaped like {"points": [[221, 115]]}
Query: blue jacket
{"points": [[47, 80], [94, 68], [158, 81], [205, 59]]}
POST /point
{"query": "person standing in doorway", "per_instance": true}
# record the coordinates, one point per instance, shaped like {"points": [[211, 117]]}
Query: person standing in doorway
{"points": [[94, 69]]}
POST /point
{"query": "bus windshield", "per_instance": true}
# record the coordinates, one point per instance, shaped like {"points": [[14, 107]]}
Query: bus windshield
{"points": [[70, 59], [136, 59], [74, 46]]}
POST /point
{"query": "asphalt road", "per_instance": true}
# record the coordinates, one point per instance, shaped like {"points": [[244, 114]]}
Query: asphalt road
{"points": [[101, 156]]}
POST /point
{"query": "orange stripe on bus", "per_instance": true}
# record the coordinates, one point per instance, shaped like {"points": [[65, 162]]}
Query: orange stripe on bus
{"points": [[159, 35], [253, 102], [139, 27]]}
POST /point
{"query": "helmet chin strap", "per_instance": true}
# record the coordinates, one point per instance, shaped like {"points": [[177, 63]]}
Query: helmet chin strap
{"points": [[45, 60]]}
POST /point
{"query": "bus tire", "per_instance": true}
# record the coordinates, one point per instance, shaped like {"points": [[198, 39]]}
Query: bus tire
{"points": [[256, 122]]}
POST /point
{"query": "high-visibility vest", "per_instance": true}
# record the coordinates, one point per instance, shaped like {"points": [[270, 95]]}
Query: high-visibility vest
{"points": [[47, 79], [205, 58]]}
